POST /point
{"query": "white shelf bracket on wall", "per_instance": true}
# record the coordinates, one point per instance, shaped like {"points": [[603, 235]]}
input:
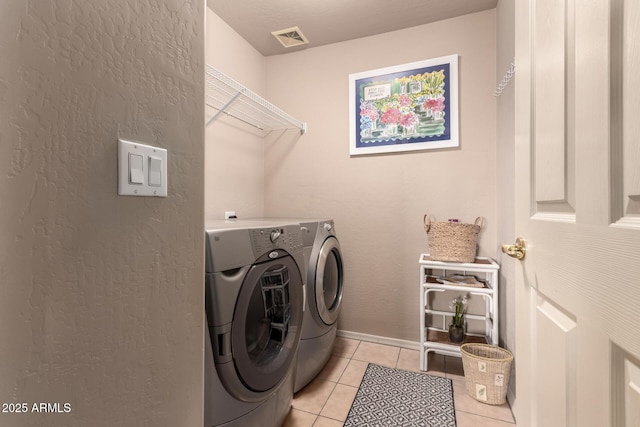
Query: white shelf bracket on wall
{"points": [[231, 98]]}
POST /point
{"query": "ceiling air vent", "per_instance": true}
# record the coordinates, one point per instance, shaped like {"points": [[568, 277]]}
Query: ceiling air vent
{"points": [[290, 37]]}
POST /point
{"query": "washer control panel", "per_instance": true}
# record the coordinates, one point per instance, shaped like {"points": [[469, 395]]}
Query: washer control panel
{"points": [[274, 235], [287, 237]]}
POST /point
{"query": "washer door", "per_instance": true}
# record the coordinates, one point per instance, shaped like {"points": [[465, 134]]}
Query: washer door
{"points": [[267, 322], [329, 281]]}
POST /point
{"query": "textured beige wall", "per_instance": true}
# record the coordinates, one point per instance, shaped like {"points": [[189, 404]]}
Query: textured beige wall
{"points": [[101, 302], [234, 173], [505, 54], [378, 201]]}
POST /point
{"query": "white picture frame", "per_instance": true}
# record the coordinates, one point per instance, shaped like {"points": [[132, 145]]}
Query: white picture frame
{"points": [[405, 107]]}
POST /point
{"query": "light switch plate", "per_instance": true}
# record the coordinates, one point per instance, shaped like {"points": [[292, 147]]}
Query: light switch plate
{"points": [[152, 157]]}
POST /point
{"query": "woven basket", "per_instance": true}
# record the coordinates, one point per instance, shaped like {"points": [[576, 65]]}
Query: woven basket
{"points": [[487, 369], [452, 241]]}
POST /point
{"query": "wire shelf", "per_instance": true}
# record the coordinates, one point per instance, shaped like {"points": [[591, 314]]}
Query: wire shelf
{"points": [[227, 96]]}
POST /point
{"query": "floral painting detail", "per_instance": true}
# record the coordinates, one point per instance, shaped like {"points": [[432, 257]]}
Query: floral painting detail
{"points": [[413, 108], [408, 105]]}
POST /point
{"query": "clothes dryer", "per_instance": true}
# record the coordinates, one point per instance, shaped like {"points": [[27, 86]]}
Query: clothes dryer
{"points": [[253, 305], [324, 287]]}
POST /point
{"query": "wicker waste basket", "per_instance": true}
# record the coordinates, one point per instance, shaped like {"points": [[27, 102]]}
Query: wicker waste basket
{"points": [[487, 369], [452, 241]]}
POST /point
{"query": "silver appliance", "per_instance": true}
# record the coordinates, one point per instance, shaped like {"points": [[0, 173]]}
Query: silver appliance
{"points": [[324, 287], [324, 283], [253, 304]]}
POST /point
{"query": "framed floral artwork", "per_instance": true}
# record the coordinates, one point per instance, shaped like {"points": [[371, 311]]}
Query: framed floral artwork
{"points": [[405, 107]]}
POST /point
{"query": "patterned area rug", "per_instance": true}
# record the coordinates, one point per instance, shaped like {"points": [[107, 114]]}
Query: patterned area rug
{"points": [[394, 398]]}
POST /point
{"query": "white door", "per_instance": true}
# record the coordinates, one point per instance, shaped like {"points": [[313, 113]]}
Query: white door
{"points": [[578, 209]]}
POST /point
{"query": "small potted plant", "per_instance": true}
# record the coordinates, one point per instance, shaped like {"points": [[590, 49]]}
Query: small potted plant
{"points": [[456, 329]]}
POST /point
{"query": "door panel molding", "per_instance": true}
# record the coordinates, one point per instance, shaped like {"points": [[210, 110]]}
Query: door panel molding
{"points": [[555, 217], [553, 83], [625, 104], [555, 372], [625, 384]]}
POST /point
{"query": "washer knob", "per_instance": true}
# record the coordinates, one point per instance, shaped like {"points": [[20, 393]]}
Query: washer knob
{"points": [[327, 226], [275, 234]]}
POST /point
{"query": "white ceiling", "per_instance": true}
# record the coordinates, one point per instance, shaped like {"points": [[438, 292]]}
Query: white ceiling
{"points": [[332, 21]]}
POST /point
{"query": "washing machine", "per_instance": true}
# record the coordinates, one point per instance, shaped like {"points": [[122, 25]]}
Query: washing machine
{"points": [[324, 284], [253, 305]]}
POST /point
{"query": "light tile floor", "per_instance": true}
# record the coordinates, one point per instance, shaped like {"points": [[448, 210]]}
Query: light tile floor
{"points": [[325, 402]]}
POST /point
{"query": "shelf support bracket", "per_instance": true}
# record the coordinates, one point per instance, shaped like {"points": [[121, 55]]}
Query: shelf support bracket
{"points": [[224, 107]]}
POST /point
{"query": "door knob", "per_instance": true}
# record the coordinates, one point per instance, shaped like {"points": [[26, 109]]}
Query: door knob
{"points": [[518, 250]]}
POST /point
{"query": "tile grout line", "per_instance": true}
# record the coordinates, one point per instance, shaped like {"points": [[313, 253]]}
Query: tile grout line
{"points": [[328, 397], [333, 390], [486, 416]]}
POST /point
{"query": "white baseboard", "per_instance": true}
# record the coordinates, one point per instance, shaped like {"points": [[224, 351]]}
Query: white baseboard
{"points": [[411, 345]]}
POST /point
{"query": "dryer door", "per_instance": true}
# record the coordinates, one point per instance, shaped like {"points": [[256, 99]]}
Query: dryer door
{"points": [[267, 321], [329, 281]]}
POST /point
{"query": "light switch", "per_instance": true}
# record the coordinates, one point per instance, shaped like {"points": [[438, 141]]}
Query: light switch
{"points": [[155, 171], [142, 169], [136, 174]]}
